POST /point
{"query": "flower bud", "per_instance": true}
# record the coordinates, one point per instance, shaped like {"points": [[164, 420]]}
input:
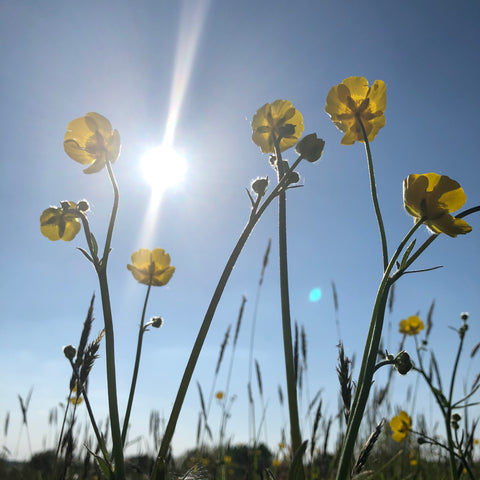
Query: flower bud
{"points": [[69, 351], [310, 147], [65, 204], [464, 316], [403, 364], [83, 206], [456, 417], [294, 177], [156, 322], [259, 186]]}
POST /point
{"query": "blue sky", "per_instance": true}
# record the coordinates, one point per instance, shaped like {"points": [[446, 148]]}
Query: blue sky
{"points": [[61, 60]]}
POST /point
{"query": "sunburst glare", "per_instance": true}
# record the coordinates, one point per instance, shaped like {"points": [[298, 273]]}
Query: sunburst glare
{"points": [[162, 168]]}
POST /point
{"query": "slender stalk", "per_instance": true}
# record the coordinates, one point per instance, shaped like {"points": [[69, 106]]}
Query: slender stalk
{"points": [[448, 416], [117, 451], [295, 434], [133, 384], [101, 443], [368, 363], [101, 268], [373, 189], [159, 470]]}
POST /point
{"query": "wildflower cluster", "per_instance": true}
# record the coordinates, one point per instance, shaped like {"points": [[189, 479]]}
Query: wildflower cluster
{"points": [[358, 110]]}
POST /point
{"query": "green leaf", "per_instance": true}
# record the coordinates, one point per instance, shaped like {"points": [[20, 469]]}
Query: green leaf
{"points": [[407, 253], [94, 244], [89, 258]]}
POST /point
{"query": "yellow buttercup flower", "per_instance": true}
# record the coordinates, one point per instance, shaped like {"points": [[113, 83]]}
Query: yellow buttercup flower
{"points": [[411, 326], [58, 223], [227, 459], [435, 196], [353, 101], [151, 267], [277, 120], [90, 140], [219, 395], [401, 426]]}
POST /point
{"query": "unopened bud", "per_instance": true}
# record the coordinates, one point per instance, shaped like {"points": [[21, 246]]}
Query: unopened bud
{"points": [[70, 351], [156, 322], [310, 147], [259, 186], [403, 363], [294, 177], [83, 206], [464, 316]]}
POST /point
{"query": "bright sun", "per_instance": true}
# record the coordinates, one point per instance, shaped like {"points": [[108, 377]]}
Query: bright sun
{"points": [[162, 168]]}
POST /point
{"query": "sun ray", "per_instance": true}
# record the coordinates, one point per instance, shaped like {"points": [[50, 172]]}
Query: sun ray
{"points": [[192, 20]]}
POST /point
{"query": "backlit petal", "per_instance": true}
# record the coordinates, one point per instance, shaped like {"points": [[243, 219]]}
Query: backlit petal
{"points": [[358, 87], [378, 96], [450, 225], [103, 125]]}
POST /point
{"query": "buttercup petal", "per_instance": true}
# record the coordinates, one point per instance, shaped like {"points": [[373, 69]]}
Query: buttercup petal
{"points": [[101, 123], [142, 257], [160, 257], [358, 87], [414, 192], [449, 225], [378, 96], [74, 151], [96, 166]]}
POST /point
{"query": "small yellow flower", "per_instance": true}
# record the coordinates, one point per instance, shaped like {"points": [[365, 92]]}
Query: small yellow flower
{"points": [[353, 101], [58, 223], [205, 461], [413, 459], [281, 445], [227, 459], [75, 399], [219, 395], [435, 196], [276, 462], [277, 120], [151, 267], [401, 426], [476, 441], [90, 140], [411, 326]]}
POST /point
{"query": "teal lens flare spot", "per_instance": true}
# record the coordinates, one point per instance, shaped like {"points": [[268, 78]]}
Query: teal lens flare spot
{"points": [[315, 295]]}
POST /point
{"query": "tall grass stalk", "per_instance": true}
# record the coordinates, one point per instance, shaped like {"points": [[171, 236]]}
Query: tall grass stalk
{"points": [[159, 471], [296, 438]]}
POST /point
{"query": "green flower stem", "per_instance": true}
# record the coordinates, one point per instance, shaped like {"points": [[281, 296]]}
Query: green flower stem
{"points": [[159, 470], [101, 268], [368, 363], [141, 331], [117, 452], [295, 434], [113, 215], [448, 416], [373, 189]]}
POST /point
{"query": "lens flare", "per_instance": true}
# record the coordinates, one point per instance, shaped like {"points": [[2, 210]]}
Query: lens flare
{"points": [[315, 295]]}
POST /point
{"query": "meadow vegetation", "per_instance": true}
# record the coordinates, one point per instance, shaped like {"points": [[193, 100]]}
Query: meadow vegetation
{"points": [[374, 439]]}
